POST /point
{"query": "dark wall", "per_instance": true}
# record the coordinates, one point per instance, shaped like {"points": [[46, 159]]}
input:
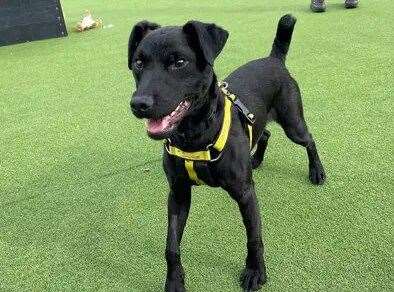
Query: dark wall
{"points": [[30, 20]]}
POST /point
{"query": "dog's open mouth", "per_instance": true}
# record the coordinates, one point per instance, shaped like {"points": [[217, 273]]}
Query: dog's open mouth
{"points": [[166, 124]]}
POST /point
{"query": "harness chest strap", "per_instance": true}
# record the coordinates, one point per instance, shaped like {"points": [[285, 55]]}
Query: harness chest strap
{"points": [[205, 155], [189, 165]]}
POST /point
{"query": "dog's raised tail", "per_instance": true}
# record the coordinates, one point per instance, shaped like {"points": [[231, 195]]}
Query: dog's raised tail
{"points": [[283, 37]]}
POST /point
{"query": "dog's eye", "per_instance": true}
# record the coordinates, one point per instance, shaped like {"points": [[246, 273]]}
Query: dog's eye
{"points": [[139, 64], [180, 63]]}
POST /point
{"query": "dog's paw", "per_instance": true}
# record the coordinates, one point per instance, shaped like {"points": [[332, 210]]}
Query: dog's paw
{"points": [[252, 280], [175, 282], [317, 176], [174, 286]]}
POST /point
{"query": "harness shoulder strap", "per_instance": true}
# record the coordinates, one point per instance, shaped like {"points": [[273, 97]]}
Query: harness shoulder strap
{"points": [[226, 125], [242, 109]]}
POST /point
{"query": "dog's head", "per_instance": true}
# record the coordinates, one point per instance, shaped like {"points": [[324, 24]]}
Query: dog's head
{"points": [[173, 70]]}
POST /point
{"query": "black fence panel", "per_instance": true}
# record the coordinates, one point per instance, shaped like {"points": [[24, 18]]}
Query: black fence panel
{"points": [[30, 20]]}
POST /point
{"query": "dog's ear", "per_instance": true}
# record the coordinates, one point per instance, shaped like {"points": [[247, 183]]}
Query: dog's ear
{"points": [[140, 30], [206, 39]]}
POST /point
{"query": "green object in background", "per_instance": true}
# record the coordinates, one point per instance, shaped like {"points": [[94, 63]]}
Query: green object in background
{"points": [[83, 195]]}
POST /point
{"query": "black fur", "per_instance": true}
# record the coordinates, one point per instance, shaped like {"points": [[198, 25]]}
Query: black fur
{"points": [[207, 40], [140, 30], [264, 86]]}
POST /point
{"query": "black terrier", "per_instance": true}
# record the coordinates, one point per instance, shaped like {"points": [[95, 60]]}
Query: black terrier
{"points": [[212, 128]]}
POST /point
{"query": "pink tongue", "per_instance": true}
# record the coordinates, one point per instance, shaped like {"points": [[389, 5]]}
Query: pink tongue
{"points": [[158, 126]]}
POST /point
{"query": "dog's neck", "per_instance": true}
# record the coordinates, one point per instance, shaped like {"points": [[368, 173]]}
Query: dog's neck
{"points": [[202, 128]]}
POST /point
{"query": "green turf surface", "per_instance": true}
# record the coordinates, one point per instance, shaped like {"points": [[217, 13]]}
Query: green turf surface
{"points": [[83, 195]]}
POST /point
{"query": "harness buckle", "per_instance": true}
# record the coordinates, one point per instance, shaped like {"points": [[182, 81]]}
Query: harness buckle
{"points": [[239, 105]]}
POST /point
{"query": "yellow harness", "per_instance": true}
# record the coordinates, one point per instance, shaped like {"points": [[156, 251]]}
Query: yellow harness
{"points": [[206, 155]]}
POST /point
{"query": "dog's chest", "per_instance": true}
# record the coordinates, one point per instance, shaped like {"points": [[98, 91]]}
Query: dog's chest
{"points": [[198, 172], [205, 173]]}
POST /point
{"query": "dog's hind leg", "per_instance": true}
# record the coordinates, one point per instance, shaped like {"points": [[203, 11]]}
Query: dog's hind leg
{"points": [[178, 210], [258, 156], [300, 135], [290, 116], [254, 275]]}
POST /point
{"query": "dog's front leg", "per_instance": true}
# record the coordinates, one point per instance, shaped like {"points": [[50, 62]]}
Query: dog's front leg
{"points": [[178, 210], [254, 275]]}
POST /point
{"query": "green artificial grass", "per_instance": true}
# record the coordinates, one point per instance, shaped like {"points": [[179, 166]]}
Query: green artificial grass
{"points": [[83, 195]]}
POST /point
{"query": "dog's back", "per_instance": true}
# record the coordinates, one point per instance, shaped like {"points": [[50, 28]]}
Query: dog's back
{"points": [[259, 82]]}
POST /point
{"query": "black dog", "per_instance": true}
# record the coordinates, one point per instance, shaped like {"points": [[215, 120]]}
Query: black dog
{"points": [[207, 137]]}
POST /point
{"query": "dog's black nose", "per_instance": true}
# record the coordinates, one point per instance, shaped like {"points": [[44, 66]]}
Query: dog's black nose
{"points": [[141, 104]]}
